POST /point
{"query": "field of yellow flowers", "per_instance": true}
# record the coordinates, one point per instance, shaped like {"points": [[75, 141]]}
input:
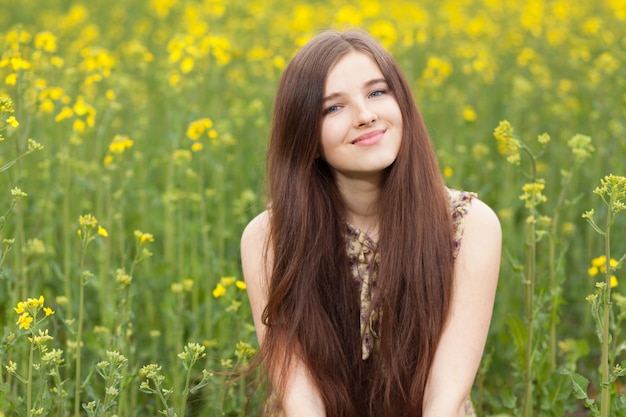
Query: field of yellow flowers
{"points": [[132, 140]]}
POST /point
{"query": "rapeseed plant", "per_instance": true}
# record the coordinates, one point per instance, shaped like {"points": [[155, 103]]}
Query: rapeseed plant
{"points": [[31, 315], [537, 227], [612, 191], [154, 379]]}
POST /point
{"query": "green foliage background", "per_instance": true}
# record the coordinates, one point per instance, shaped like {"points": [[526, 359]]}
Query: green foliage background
{"points": [[135, 75]]}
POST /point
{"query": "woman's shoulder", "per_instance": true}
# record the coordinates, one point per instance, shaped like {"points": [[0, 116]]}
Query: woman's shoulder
{"points": [[481, 224], [256, 260], [469, 212], [256, 232]]}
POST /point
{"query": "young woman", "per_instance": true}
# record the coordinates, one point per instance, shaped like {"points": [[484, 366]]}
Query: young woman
{"points": [[371, 283]]}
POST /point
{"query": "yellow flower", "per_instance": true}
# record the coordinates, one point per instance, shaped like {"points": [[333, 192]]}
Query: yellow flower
{"points": [[120, 143], [385, 32], [599, 262], [543, 139], [279, 62], [240, 284], [47, 106], [227, 281], [196, 147], [10, 79], [437, 70], [46, 41], [186, 65], [598, 266], [532, 195], [181, 155], [57, 61], [144, 237], [62, 300], [79, 125], [122, 277], [42, 337], [219, 291], [174, 80], [13, 121], [507, 144], [48, 311], [469, 114], [11, 368], [81, 107], [198, 127], [19, 64], [24, 321], [87, 221], [6, 104], [21, 308], [65, 113], [35, 302], [102, 231]]}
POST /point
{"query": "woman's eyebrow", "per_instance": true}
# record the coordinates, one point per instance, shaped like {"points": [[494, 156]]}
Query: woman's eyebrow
{"points": [[369, 83]]}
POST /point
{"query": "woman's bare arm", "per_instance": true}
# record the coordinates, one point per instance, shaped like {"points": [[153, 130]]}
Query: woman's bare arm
{"points": [[462, 342], [301, 398]]}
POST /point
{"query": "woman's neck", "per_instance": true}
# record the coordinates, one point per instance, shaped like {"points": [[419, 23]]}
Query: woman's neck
{"points": [[360, 198]]}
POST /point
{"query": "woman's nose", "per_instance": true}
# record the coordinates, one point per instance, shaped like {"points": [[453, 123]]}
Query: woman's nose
{"points": [[364, 116]]}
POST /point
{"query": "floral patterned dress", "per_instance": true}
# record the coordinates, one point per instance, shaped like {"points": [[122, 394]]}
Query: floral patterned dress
{"points": [[364, 260]]}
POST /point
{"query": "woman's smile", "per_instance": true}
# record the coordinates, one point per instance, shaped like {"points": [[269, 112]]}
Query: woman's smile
{"points": [[370, 138]]}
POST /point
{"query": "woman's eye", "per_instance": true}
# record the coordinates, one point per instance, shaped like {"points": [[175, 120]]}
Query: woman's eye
{"points": [[331, 109], [377, 93]]}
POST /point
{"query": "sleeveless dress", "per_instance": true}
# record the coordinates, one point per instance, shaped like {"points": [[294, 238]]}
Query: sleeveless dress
{"points": [[363, 260]]}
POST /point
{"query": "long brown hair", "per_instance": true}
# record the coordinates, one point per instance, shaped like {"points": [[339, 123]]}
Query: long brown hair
{"points": [[313, 306]]}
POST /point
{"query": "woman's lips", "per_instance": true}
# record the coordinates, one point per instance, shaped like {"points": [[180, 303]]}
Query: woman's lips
{"points": [[368, 139]]}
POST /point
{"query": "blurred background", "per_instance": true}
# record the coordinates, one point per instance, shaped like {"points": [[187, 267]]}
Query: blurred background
{"points": [[154, 115]]}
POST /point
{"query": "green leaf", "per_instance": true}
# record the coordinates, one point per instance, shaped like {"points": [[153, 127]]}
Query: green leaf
{"points": [[518, 332], [508, 399], [5, 389], [579, 384]]}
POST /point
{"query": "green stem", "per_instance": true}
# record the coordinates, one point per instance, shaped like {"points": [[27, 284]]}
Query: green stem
{"points": [[533, 165], [57, 379], [79, 333], [605, 404], [29, 390], [20, 239], [531, 253], [67, 244], [105, 287], [179, 343], [552, 267], [529, 270], [159, 392], [107, 398], [183, 399]]}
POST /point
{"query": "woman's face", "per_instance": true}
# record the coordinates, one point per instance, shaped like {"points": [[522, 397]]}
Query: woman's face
{"points": [[361, 119]]}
